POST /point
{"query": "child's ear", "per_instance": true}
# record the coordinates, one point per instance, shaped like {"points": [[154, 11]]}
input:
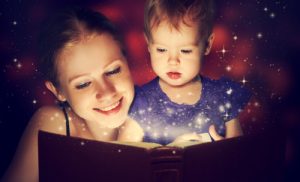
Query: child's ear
{"points": [[147, 41], [55, 91], [209, 43]]}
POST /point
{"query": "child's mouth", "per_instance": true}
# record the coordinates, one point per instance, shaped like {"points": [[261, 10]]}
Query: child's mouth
{"points": [[174, 75], [112, 109]]}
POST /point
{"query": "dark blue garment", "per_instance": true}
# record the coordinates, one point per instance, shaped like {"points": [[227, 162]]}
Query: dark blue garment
{"points": [[163, 120]]}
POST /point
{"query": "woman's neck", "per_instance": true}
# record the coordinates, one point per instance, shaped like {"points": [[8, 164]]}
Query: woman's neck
{"points": [[188, 93]]}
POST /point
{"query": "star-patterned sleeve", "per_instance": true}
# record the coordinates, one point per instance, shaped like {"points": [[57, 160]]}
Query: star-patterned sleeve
{"points": [[236, 96]]}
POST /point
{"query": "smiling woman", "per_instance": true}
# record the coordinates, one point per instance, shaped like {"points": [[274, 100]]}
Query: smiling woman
{"points": [[85, 68]]}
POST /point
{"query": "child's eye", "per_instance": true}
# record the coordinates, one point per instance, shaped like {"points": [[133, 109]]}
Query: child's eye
{"points": [[83, 85], [186, 51], [161, 50], [113, 72]]}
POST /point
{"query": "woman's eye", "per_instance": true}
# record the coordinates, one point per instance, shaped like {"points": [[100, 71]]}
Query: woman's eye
{"points": [[113, 72], [161, 50], [83, 85], [186, 51]]}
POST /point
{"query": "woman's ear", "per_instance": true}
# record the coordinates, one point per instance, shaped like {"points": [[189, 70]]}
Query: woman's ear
{"points": [[55, 91], [209, 43]]}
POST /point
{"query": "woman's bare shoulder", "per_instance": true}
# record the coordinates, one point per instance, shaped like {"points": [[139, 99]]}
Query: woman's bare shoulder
{"points": [[49, 118]]}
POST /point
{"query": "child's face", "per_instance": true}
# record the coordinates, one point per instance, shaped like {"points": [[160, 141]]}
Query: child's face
{"points": [[95, 80], [176, 54]]}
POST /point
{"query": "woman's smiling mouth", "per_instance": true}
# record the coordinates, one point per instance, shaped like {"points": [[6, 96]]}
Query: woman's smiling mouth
{"points": [[112, 109]]}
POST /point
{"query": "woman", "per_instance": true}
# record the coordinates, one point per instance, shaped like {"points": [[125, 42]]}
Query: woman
{"points": [[83, 62]]}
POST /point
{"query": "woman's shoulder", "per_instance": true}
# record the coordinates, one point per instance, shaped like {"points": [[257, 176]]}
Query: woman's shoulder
{"points": [[49, 118]]}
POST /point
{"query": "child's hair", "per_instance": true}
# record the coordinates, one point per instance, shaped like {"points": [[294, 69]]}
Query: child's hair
{"points": [[67, 28], [175, 11]]}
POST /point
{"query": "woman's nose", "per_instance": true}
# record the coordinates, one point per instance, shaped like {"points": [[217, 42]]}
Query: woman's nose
{"points": [[105, 90]]}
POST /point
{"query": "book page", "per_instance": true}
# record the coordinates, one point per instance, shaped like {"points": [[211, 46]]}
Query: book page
{"points": [[204, 138], [145, 145]]}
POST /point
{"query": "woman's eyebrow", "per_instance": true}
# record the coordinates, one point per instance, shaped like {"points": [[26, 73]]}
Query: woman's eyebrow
{"points": [[77, 76]]}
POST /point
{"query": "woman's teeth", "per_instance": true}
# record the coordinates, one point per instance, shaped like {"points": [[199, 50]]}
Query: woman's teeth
{"points": [[110, 107]]}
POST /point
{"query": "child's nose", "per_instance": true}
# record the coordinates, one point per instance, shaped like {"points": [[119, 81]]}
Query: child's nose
{"points": [[105, 90], [173, 59]]}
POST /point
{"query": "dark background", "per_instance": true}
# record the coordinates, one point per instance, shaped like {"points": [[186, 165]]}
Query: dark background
{"points": [[260, 42]]}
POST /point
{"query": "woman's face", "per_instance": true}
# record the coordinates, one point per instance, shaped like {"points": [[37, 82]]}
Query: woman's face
{"points": [[95, 80]]}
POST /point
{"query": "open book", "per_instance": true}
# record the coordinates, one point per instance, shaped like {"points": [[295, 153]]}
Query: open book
{"points": [[203, 138], [62, 158]]}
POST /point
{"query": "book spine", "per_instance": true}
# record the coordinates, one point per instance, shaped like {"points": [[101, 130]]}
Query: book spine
{"points": [[166, 164]]}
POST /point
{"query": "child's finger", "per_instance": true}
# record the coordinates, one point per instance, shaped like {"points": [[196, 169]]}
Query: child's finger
{"points": [[213, 133]]}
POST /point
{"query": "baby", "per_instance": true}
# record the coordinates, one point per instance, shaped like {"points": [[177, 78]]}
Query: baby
{"points": [[180, 104]]}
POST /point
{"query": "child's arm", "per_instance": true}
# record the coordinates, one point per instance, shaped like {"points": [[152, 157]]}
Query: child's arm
{"points": [[233, 129], [24, 166]]}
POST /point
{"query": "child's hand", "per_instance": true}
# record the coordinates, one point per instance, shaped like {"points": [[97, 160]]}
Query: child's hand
{"points": [[187, 137], [213, 133]]}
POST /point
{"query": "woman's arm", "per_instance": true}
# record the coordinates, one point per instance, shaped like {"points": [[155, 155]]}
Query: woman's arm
{"points": [[24, 166]]}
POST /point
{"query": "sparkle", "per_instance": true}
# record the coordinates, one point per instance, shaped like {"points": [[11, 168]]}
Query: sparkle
{"points": [[226, 115], [266, 9], [235, 37], [15, 60], [82, 143], [119, 150], [259, 35], [34, 101], [244, 81], [272, 15], [228, 68], [14, 22], [223, 51], [174, 152], [229, 91], [256, 104]]}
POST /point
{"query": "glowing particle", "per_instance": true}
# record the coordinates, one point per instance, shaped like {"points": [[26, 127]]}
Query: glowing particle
{"points": [[174, 152], [266, 9], [228, 105], [228, 68], [19, 65], [14, 22], [229, 91], [272, 15], [235, 37], [82, 143], [60, 128], [259, 35], [190, 93], [221, 108], [119, 150], [34, 101]]}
